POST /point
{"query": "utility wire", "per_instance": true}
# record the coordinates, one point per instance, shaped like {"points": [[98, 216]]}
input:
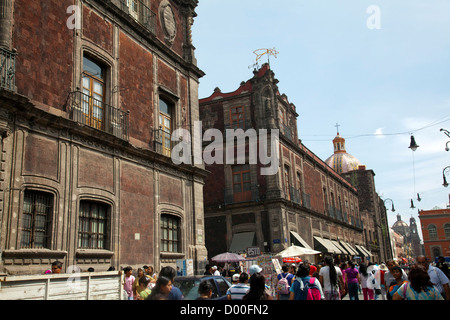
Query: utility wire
{"points": [[380, 134]]}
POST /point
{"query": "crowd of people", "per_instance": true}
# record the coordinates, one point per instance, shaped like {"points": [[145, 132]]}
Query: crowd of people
{"points": [[305, 281], [376, 282], [327, 281]]}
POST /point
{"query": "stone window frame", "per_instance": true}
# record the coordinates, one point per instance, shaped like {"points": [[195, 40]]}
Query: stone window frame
{"points": [[49, 223], [447, 231], [107, 224], [95, 54], [179, 240], [432, 232], [240, 123], [103, 80], [242, 195], [172, 101]]}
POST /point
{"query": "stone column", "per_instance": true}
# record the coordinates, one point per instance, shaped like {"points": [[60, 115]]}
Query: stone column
{"points": [[5, 23]]}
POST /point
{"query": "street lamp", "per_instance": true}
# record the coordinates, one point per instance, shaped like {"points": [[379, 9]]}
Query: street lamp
{"points": [[447, 133], [446, 170], [413, 145], [392, 202]]}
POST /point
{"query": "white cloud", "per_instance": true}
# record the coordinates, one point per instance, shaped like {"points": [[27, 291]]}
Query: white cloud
{"points": [[379, 133]]}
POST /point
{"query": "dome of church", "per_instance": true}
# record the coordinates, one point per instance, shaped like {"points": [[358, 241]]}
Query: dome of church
{"points": [[399, 223], [341, 161]]}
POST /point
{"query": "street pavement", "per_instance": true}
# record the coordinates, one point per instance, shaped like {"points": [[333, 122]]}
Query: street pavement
{"points": [[360, 296]]}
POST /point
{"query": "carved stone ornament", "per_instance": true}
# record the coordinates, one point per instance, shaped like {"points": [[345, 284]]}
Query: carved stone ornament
{"points": [[168, 22]]}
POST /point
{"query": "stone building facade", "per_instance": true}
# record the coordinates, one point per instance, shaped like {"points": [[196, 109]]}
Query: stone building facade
{"points": [[90, 94], [373, 213], [305, 202]]}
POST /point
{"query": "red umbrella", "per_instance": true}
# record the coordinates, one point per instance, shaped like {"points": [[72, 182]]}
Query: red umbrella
{"points": [[292, 260]]}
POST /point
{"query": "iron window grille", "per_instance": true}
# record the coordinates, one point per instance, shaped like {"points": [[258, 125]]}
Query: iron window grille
{"points": [[36, 219], [93, 225], [170, 234]]}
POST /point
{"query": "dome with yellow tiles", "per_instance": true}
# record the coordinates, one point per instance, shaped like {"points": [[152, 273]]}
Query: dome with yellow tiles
{"points": [[341, 161]]}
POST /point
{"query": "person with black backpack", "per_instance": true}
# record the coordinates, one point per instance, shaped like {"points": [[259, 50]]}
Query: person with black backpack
{"points": [[305, 287]]}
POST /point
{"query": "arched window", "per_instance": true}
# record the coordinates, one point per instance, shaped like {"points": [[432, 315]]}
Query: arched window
{"points": [[447, 231], [93, 93], [36, 219], [170, 233], [432, 232], [93, 225], [436, 252]]}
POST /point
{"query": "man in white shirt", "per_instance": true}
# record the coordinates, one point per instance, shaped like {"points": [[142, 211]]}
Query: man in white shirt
{"points": [[438, 278], [215, 271], [239, 290]]}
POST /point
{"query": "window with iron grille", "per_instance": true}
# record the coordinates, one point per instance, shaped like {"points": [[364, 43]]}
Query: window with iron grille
{"points": [[170, 234], [36, 219], [93, 226]]}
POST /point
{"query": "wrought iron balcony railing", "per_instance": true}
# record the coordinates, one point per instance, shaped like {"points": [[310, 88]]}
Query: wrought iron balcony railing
{"points": [[295, 195], [8, 69], [306, 200], [141, 13], [162, 142], [97, 114]]}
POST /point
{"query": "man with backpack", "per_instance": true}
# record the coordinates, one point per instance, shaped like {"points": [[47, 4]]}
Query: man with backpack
{"points": [[284, 283], [305, 287]]}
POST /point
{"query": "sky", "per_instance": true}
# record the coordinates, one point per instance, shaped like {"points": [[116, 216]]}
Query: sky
{"points": [[379, 68]]}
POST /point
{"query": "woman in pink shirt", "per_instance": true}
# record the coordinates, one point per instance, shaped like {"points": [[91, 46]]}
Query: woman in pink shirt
{"points": [[352, 279]]}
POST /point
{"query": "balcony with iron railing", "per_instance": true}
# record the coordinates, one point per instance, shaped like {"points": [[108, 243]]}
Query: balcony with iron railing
{"points": [[164, 141], [86, 110], [140, 13], [8, 69], [306, 198], [295, 195]]}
